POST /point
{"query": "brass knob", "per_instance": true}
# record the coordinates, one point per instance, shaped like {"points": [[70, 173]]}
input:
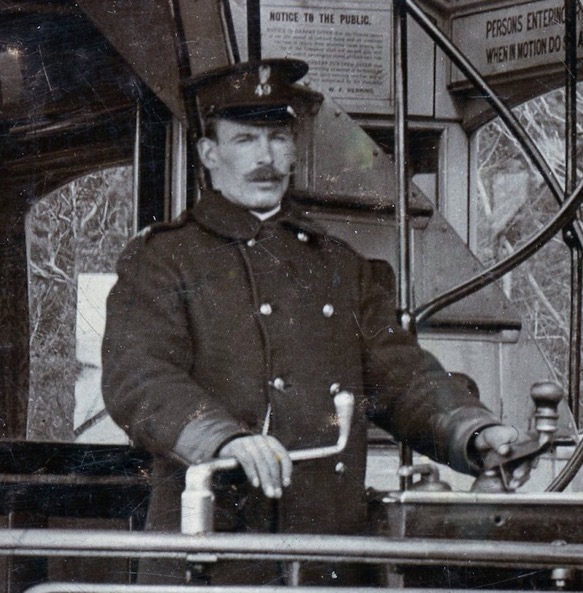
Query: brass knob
{"points": [[546, 393], [546, 397]]}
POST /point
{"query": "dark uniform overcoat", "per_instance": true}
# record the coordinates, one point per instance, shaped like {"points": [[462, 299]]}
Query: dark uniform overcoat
{"points": [[220, 323]]}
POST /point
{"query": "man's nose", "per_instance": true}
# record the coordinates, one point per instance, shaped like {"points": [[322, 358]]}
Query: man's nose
{"points": [[264, 151]]}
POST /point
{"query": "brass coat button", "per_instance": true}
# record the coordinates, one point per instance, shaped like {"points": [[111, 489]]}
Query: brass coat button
{"points": [[334, 388], [328, 310], [278, 383], [265, 309]]}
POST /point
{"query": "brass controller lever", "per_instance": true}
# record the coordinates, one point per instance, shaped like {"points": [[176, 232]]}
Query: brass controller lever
{"points": [[198, 498], [499, 468]]}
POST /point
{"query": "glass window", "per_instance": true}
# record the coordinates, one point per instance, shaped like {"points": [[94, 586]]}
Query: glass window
{"points": [[513, 203], [75, 235]]}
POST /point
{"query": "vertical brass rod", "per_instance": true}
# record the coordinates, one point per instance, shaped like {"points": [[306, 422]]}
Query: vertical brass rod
{"points": [[574, 374], [401, 151], [401, 162]]}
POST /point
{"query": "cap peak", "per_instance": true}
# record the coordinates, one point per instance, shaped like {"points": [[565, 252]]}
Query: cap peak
{"points": [[263, 90]]}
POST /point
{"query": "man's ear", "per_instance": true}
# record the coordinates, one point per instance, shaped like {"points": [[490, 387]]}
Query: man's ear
{"points": [[207, 152]]}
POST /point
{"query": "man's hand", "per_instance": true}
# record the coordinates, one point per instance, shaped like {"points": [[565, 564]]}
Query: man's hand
{"points": [[501, 439], [264, 460]]}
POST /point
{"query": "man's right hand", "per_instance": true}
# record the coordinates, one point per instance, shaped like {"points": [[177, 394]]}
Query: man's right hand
{"points": [[264, 460]]}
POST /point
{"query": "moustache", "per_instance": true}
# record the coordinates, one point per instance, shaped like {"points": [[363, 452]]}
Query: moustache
{"points": [[265, 173]]}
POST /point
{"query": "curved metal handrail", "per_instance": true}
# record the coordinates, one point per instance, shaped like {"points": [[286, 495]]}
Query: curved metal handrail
{"points": [[563, 220], [499, 106], [565, 214], [575, 232], [569, 471]]}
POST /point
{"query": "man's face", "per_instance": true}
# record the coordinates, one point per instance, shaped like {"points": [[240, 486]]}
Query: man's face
{"points": [[249, 164]]}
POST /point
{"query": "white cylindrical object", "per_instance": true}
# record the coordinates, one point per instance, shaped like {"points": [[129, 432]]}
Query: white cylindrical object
{"points": [[197, 512]]}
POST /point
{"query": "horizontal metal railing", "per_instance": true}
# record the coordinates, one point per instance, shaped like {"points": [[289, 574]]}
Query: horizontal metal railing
{"points": [[275, 547], [91, 588], [288, 547]]}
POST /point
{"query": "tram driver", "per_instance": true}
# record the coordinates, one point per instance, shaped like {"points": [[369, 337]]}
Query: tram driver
{"points": [[228, 329]]}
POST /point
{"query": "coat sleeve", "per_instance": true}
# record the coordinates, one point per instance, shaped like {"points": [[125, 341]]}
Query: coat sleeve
{"points": [[408, 392], [148, 376]]}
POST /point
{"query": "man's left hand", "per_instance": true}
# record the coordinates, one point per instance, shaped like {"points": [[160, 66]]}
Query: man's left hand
{"points": [[501, 438]]}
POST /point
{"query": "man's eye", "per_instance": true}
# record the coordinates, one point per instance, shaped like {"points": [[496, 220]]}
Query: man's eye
{"points": [[243, 139]]}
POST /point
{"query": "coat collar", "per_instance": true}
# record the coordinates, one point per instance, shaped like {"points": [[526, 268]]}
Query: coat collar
{"points": [[229, 220]]}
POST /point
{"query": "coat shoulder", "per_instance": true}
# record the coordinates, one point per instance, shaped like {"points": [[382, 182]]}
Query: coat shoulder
{"points": [[163, 242], [159, 228], [184, 232]]}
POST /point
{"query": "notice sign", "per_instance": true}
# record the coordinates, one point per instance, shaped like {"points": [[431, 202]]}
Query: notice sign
{"points": [[347, 45], [515, 38]]}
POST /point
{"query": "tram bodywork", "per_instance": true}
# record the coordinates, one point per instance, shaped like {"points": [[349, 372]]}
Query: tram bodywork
{"points": [[90, 84]]}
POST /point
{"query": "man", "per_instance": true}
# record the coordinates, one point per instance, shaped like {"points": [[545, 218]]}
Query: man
{"points": [[229, 329]]}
